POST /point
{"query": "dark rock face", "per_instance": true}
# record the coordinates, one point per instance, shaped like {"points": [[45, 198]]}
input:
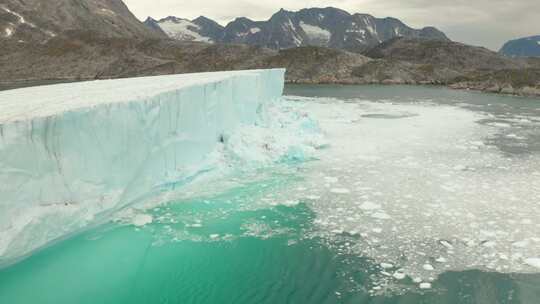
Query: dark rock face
{"points": [[154, 25], [209, 28], [240, 31], [325, 27], [315, 65], [524, 47], [37, 20]]}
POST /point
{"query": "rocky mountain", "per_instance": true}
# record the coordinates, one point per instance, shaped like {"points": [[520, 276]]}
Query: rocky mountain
{"points": [[442, 54], [314, 65], [523, 47], [38, 20], [413, 61], [325, 27], [70, 40], [201, 29]]}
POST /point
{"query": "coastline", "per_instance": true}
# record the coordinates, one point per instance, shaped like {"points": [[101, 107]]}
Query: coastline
{"points": [[528, 92]]}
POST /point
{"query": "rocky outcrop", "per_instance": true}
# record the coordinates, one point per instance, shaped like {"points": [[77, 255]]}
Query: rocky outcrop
{"points": [[317, 65]]}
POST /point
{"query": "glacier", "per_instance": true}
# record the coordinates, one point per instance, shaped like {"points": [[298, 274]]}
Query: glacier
{"points": [[72, 154]]}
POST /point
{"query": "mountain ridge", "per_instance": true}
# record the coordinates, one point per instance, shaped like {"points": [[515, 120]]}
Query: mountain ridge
{"points": [[326, 27]]}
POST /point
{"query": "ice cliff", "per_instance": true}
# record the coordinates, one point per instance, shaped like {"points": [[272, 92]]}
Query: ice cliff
{"points": [[71, 153]]}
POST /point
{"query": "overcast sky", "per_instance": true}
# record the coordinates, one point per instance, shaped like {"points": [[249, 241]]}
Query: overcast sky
{"points": [[488, 23]]}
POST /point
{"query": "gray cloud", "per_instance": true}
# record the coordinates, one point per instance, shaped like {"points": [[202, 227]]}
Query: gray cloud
{"points": [[487, 23]]}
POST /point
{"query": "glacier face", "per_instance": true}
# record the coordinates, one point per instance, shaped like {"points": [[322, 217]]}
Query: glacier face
{"points": [[71, 154]]}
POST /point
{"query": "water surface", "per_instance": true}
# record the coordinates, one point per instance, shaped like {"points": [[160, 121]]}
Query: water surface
{"points": [[409, 195]]}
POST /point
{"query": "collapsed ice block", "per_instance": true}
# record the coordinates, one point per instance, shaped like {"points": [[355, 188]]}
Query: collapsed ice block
{"points": [[72, 152]]}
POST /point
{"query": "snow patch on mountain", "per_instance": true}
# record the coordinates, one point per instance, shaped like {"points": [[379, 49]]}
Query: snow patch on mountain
{"points": [[19, 16], [107, 12], [8, 32], [315, 33], [289, 27], [182, 29]]}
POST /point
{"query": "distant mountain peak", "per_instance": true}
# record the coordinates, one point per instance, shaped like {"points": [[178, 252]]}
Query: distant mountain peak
{"points": [[242, 19], [172, 18], [522, 47], [203, 19]]}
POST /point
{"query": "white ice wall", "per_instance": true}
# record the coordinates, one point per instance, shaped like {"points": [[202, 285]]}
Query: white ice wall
{"points": [[70, 152]]}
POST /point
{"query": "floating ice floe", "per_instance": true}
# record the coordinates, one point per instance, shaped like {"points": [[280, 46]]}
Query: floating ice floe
{"points": [[142, 219]]}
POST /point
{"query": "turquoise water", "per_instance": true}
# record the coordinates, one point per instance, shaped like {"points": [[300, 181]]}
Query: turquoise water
{"points": [[232, 247], [123, 264]]}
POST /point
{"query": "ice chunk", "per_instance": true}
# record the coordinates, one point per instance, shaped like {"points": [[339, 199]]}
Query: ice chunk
{"points": [[71, 151], [142, 219], [380, 216], [441, 260], [340, 190], [331, 179], [369, 206], [534, 262], [399, 275]]}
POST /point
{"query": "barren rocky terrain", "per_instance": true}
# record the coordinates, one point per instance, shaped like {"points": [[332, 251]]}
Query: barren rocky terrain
{"points": [[69, 40]]}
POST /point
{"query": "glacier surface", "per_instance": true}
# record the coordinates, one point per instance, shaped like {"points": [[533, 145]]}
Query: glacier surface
{"points": [[72, 154]]}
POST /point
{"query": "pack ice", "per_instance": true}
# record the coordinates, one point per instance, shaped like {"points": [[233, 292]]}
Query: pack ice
{"points": [[73, 153], [423, 188]]}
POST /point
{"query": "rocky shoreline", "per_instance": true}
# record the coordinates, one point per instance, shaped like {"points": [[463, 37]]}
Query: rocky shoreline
{"points": [[496, 89]]}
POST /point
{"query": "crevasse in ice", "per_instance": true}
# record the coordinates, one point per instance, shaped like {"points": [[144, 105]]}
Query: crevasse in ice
{"points": [[71, 154]]}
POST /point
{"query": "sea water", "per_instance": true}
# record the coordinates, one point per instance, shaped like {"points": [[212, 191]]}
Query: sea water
{"points": [[409, 195]]}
